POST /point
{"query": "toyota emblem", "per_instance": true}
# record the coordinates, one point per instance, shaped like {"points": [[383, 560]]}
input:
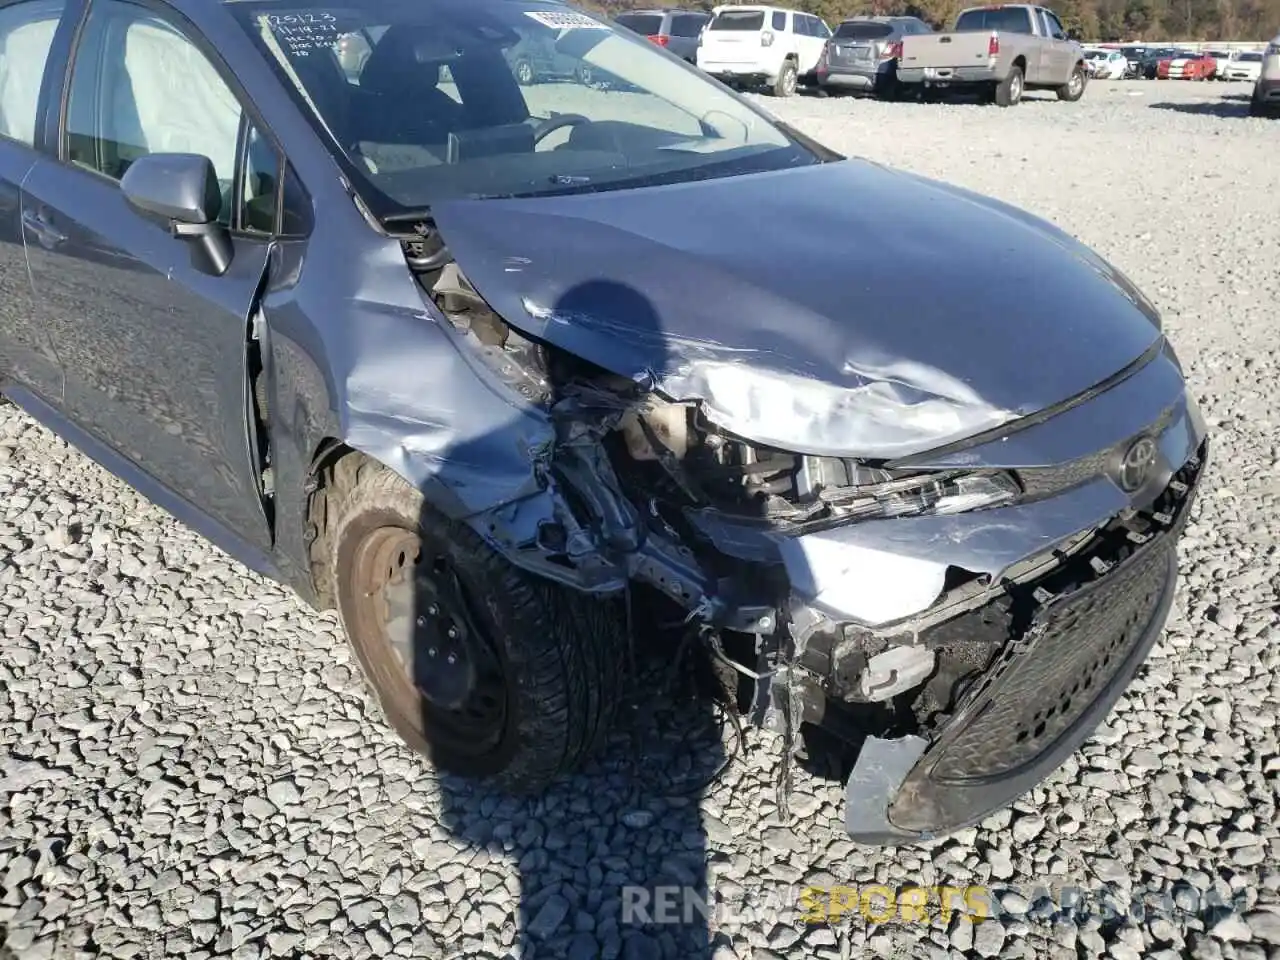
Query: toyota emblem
{"points": [[1135, 466]]}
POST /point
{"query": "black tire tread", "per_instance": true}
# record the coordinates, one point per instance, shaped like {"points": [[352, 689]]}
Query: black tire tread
{"points": [[779, 88], [1004, 90], [568, 660], [1064, 91]]}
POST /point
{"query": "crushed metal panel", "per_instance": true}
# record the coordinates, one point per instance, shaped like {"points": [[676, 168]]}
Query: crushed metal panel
{"points": [[673, 286]]}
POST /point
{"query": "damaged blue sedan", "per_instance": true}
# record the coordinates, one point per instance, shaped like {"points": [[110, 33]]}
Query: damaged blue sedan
{"points": [[489, 366]]}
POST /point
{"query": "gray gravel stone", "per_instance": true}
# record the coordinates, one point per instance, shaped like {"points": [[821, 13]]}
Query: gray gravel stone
{"points": [[988, 938], [548, 918]]}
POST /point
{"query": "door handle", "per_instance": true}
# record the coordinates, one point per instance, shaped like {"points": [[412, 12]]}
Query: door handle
{"points": [[48, 235]]}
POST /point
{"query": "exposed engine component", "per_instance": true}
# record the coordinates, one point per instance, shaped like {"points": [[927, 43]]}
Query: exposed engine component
{"points": [[894, 672], [712, 468]]}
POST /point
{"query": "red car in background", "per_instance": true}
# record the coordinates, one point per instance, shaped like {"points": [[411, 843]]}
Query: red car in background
{"points": [[1192, 66]]}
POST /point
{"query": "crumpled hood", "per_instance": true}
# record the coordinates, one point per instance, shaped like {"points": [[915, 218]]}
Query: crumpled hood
{"points": [[815, 309]]}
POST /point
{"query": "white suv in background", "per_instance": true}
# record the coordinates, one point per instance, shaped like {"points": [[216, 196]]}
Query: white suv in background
{"points": [[749, 45]]}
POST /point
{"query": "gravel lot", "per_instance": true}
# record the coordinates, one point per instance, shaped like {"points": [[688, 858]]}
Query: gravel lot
{"points": [[189, 765]]}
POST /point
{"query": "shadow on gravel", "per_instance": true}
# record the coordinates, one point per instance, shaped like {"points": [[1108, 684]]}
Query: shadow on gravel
{"points": [[610, 862], [1233, 105]]}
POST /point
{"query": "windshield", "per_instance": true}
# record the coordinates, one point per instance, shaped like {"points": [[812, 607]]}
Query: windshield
{"points": [[647, 24], [738, 20], [1251, 57], [863, 30], [492, 98]]}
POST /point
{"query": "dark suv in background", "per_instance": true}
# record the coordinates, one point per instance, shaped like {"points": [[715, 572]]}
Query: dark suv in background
{"points": [[677, 30], [863, 54]]}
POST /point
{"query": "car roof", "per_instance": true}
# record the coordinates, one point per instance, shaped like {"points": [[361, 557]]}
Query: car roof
{"points": [[754, 6]]}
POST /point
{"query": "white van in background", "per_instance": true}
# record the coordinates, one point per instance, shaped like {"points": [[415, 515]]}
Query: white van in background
{"points": [[750, 46]]}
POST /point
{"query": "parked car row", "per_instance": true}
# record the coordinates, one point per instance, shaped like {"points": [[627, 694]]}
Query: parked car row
{"points": [[1176, 63], [996, 51]]}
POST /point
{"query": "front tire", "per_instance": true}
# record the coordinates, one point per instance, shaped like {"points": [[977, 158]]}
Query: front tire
{"points": [[487, 670], [1009, 90], [1073, 89], [785, 85]]}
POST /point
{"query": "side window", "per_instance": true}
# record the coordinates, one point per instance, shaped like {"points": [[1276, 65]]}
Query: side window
{"points": [[26, 33], [139, 86], [260, 184], [1055, 25], [780, 21], [820, 29]]}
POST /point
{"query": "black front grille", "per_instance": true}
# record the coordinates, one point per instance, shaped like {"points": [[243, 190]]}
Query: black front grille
{"points": [[1083, 623], [1040, 686]]}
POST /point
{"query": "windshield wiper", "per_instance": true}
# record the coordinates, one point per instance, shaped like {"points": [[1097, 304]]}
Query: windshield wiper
{"points": [[417, 215]]}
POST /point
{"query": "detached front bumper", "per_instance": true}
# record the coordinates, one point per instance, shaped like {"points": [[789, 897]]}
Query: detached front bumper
{"points": [[1046, 693], [1081, 579]]}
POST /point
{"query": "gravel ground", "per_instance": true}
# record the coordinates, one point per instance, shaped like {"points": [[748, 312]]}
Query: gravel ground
{"points": [[189, 765]]}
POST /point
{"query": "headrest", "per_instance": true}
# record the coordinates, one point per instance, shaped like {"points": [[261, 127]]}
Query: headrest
{"points": [[407, 58]]}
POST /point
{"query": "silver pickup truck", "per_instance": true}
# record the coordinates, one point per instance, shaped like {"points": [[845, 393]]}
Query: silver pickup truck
{"points": [[1002, 50]]}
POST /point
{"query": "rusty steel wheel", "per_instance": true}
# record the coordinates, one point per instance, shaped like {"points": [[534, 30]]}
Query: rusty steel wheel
{"points": [[415, 620], [486, 669]]}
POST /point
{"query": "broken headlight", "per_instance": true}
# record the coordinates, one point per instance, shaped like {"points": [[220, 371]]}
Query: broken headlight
{"points": [[898, 409], [924, 495]]}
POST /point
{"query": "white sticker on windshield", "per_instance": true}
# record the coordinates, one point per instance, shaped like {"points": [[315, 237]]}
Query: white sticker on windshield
{"points": [[566, 20]]}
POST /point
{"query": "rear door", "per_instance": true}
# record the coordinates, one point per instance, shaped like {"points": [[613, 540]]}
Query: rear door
{"points": [[812, 41], [27, 359], [154, 351]]}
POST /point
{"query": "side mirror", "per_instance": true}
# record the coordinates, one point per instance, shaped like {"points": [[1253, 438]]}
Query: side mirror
{"points": [[1073, 35], [182, 190]]}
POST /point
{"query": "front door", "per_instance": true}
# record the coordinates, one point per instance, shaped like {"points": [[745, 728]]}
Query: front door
{"points": [[1062, 50], [27, 360], [152, 350]]}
